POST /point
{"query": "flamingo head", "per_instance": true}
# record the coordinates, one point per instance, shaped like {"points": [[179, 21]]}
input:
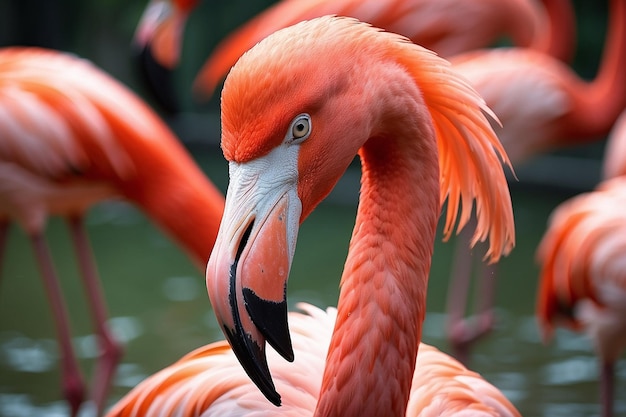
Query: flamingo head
{"points": [[296, 109], [157, 44]]}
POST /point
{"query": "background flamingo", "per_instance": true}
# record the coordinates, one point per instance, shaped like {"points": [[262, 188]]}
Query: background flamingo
{"points": [[583, 275], [71, 137], [447, 27], [158, 42], [542, 105], [283, 109]]}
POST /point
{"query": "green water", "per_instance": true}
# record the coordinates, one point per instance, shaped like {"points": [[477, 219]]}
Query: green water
{"points": [[158, 306]]}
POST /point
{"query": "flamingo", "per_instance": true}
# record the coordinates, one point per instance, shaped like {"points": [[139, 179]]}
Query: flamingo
{"points": [[583, 275], [446, 26], [291, 124], [71, 137], [542, 105], [157, 44]]}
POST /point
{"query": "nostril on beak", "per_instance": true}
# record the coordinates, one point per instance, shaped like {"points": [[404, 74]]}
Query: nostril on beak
{"points": [[244, 239]]}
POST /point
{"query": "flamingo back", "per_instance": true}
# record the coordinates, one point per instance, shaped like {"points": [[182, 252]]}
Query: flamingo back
{"points": [[527, 90], [61, 115]]}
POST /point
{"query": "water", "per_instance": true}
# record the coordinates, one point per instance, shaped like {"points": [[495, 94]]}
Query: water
{"points": [[159, 308]]}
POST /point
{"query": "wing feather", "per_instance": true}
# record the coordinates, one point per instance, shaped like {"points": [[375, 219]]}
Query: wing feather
{"points": [[210, 382]]}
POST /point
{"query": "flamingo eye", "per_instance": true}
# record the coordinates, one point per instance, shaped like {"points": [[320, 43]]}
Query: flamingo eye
{"points": [[300, 128]]}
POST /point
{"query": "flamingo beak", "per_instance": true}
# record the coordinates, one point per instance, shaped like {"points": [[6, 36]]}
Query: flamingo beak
{"points": [[248, 269]]}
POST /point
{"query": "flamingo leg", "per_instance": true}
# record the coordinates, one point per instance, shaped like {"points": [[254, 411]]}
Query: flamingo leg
{"points": [[464, 331], [110, 350], [73, 384], [607, 388], [483, 319], [4, 232]]}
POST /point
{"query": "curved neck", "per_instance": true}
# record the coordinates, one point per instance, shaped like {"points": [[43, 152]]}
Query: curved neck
{"points": [[559, 37], [382, 302], [602, 100], [176, 195]]}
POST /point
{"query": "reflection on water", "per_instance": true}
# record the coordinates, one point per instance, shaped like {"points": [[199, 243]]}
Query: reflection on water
{"points": [[23, 354], [160, 310]]}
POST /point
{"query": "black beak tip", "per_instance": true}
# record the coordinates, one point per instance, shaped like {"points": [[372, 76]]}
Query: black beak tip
{"points": [[252, 358], [271, 320]]}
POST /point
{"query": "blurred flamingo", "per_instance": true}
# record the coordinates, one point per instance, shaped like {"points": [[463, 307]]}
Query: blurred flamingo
{"points": [[157, 44], [161, 27], [583, 275], [71, 137], [446, 26], [542, 105], [296, 109]]}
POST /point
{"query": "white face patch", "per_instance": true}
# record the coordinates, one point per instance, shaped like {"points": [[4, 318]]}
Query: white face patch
{"points": [[258, 185]]}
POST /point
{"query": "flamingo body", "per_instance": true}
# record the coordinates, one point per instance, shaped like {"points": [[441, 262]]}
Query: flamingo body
{"points": [[581, 268], [73, 136], [291, 125], [540, 101], [583, 278], [210, 381]]}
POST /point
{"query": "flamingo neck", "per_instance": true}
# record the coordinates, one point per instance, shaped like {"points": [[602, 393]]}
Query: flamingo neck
{"points": [[558, 39], [382, 302], [523, 21], [179, 198], [604, 98]]}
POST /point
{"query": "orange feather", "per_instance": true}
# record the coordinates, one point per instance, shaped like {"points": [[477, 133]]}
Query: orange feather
{"points": [[211, 378]]}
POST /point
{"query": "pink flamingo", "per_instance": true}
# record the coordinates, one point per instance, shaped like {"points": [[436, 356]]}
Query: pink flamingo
{"points": [[446, 26], [157, 43], [71, 137], [296, 109], [583, 275]]}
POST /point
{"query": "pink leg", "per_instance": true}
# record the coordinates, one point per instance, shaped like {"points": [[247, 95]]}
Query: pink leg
{"points": [[111, 350], [73, 385], [4, 231], [607, 388], [463, 331]]}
